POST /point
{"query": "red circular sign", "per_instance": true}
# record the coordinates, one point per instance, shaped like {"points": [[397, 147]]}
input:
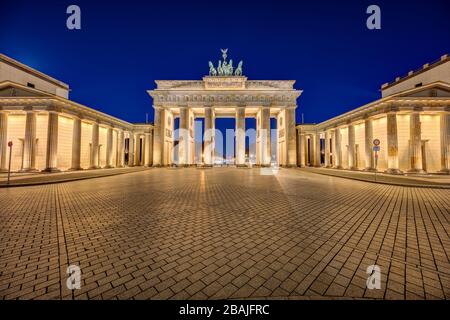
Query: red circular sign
{"points": [[376, 142], [10, 144]]}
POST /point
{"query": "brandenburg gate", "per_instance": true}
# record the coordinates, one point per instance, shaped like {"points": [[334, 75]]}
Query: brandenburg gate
{"points": [[224, 93]]}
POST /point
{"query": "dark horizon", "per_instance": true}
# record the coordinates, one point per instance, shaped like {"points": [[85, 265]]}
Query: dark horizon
{"points": [[123, 48]]}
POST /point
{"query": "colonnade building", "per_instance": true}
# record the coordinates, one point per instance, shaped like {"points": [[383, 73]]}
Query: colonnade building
{"points": [[224, 97], [51, 133], [411, 123]]}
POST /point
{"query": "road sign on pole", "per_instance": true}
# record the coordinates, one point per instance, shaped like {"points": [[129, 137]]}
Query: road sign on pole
{"points": [[10, 145], [376, 149]]}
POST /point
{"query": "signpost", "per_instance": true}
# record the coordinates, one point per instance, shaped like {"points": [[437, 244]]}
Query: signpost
{"points": [[376, 149], [10, 144]]}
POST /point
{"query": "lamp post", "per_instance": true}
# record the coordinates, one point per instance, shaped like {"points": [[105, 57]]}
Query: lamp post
{"points": [[10, 144]]}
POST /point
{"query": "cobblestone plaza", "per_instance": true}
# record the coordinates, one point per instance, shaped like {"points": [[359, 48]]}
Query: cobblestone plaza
{"points": [[224, 233]]}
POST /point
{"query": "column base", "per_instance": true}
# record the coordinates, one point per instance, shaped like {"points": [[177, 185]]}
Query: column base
{"points": [[241, 166], [418, 171], [75, 169], [51, 170], [28, 170], [394, 171], [157, 166], [354, 169], [3, 170], [290, 166], [109, 167], [94, 167], [444, 171], [370, 170], [338, 167]]}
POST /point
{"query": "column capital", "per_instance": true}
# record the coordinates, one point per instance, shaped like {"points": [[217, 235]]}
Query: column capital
{"points": [[417, 108], [391, 108], [77, 116], [29, 109], [54, 111]]}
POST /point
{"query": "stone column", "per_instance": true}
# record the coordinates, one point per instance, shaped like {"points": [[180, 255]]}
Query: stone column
{"points": [[95, 147], [302, 150], [137, 149], [52, 143], [445, 142], [76, 144], [157, 137], [317, 151], [290, 137], [368, 131], [208, 152], [392, 143], [307, 151], [351, 148], [131, 149], [148, 159], [240, 136], [337, 148], [327, 149], [120, 149], [266, 154], [29, 147], [3, 141], [299, 148], [183, 144], [415, 140], [109, 147]]}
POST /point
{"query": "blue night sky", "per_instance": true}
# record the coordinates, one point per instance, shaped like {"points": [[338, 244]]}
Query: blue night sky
{"points": [[324, 45]]}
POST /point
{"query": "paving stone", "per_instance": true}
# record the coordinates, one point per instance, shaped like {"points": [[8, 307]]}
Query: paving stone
{"points": [[223, 233]]}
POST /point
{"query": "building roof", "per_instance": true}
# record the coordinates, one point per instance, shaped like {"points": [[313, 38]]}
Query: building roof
{"points": [[34, 72], [411, 74], [378, 105]]}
